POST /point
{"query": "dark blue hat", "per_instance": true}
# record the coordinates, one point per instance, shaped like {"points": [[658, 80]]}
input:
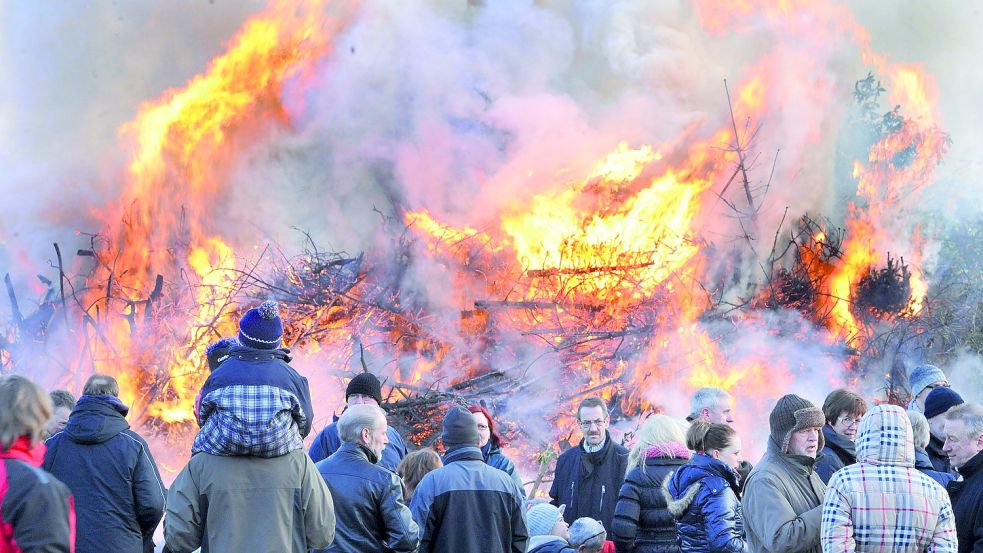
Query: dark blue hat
{"points": [[219, 352], [940, 400], [261, 327]]}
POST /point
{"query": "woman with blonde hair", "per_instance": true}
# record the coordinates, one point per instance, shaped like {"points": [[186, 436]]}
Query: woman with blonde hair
{"points": [[35, 508], [642, 522], [414, 467]]}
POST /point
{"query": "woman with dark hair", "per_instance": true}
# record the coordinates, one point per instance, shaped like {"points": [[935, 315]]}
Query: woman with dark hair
{"points": [[843, 410], [702, 494], [491, 445]]}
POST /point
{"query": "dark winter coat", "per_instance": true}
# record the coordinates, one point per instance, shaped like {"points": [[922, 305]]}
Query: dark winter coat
{"points": [[549, 544], [967, 502], [467, 506], [495, 458], [588, 483], [838, 453], [119, 495], [328, 441], [254, 403], [924, 464], [940, 461], [36, 512], [704, 504], [368, 504], [642, 521]]}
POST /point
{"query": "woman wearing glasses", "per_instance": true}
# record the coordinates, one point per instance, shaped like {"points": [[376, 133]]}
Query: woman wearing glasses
{"points": [[491, 445], [843, 410]]}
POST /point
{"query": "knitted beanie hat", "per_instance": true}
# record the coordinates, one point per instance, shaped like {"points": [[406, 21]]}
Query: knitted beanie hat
{"points": [[791, 414], [940, 400], [261, 327], [219, 351], [923, 375], [459, 428], [542, 517], [365, 384]]}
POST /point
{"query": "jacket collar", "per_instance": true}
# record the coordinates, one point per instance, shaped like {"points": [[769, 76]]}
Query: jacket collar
{"points": [[972, 466], [800, 463], [22, 450], [922, 460], [839, 443], [463, 453], [360, 451]]}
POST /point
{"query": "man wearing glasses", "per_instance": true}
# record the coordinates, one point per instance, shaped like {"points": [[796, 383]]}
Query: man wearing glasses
{"points": [[589, 475]]}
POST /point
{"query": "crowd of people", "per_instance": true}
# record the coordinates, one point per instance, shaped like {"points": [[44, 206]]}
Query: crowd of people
{"points": [[849, 476]]}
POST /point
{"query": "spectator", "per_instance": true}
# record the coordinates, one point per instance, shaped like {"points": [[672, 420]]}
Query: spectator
{"points": [[587, 535], [783, 498], [237, 504], [547, 529], [883, 503], [63, 402], [642, 522], [368, 499], [254, 403], [119, 496], [415, 466], [964, 446], [589, 476], [716, 405], [36, 511], [937, 404], [843, 410], [363, 388], [922, 380], [467, 506], [703, 493], [491, 445], [920, 434], [218, 352]]}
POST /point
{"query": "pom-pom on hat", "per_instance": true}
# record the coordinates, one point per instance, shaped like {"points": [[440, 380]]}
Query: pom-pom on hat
{"points": [[542, 517], [261, 327], [940, 400]]}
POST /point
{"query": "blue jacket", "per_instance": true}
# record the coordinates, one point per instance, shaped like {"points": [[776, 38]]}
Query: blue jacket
{"points": [[839, 452], [549, 544], [467, 506], [924, 464], [590, 489], [253, 404], [368, 504], [703, 500], [495, 458], [119, 496], [327, 442], [642, 521]]}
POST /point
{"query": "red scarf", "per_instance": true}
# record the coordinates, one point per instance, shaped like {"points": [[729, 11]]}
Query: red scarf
{"points": [[22, 450]]}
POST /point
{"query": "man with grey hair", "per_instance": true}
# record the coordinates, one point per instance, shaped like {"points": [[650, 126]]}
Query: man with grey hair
{"points": [[364, 493], [587, 535], [712, 405], [964, 446]]}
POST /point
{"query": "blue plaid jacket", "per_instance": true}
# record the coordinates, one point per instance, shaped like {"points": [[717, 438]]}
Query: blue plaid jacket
{"points": [[253, 404]]}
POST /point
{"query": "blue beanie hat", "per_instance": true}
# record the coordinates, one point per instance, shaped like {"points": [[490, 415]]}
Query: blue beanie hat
{"points": [[923, 375], [542, 517], [261, 327], [219, 352], [940, 400]]}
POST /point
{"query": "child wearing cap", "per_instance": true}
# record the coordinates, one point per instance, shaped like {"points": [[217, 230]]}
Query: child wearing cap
{"points": [[547, 529]]}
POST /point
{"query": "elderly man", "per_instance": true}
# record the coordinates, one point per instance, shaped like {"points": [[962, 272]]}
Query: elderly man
{"points": [[363, 389], [964, 446], [368, 499], [119, 496], [587, 535], [712, 405], [589, 475], [783, 498], [937, 403], [921, 381], [467, 506], [882, 503]]}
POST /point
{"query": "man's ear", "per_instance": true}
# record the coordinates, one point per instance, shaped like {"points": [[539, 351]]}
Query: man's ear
{"points": [[705, 412]]}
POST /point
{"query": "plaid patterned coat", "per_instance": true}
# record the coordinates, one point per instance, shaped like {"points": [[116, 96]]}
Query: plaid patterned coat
{"points": [[883, 503]]}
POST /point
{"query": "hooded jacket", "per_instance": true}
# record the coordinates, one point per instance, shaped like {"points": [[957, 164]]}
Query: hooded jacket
{"points": [[495, 458], [36, 512], [782, 503], [883, 503], [642, 522], [119, 495], [467, 506], [703, 500], [368, 504], [966, 502], [254, 403], [588, 483], [838, 453]]}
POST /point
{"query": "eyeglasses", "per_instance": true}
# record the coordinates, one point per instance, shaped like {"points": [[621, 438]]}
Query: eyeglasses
{"points": [[482, 427], [848, 420], [598, 423], [934, 386]]}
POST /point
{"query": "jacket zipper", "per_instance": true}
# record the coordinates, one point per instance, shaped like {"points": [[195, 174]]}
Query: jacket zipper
{"points": [[602, 499]]}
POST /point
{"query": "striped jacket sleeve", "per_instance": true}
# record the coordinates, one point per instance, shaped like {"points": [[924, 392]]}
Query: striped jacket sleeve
{"points": [[944, 537], [837, 527]]}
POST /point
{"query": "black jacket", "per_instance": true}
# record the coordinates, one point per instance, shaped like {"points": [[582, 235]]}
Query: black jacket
{"points": [[119, 496], [704, 503], [967, 503], [35, 508], [642, 522], [588, 483], [838, 453], [467, 506], [368, 504]]}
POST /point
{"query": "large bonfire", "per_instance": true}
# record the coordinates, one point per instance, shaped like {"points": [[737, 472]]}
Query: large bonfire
{"points": [[637, 269]]}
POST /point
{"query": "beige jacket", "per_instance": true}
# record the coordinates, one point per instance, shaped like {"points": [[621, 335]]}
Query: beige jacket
{"points": [[782, 504], [249, 504]]}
